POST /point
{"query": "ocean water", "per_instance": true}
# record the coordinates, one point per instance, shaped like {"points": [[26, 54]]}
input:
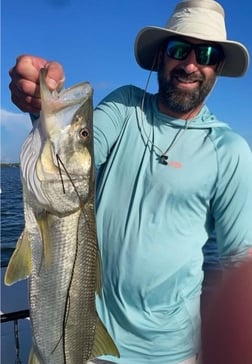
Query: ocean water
{"points": [[12, 219]]}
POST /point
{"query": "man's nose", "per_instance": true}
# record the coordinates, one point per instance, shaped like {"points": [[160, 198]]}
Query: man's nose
{"points": [[190, 63]]}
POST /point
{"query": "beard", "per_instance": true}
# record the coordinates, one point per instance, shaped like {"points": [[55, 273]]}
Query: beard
{"points": [[180, 100]]}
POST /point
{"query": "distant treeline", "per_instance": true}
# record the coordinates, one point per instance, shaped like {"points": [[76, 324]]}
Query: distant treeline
{"points": [[9, 165]]}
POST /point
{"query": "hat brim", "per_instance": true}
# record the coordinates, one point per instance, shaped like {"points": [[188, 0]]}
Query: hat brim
{"points": [[149, 40]]}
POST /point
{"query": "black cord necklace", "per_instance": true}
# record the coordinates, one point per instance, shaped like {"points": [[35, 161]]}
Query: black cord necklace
{"points": [[163, 155]]}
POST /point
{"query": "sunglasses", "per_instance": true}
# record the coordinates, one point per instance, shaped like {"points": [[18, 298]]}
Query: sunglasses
{"points": [[206, 54]]}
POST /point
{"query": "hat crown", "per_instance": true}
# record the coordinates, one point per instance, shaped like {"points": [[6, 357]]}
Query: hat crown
{"points": [[203, 19]]}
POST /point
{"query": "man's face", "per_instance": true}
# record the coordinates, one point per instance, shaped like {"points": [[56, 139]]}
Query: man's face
{"points": [[184, 84]]}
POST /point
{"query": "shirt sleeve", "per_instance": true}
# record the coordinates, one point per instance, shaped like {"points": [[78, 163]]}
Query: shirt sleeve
{"points": [[232, 203], [109, 118]]}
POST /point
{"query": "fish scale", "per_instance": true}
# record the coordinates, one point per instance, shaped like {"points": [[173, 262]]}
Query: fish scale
{"points": [[86, 258], [50, 285]]}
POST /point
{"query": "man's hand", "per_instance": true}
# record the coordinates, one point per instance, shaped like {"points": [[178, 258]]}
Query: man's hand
{"points": [[24, 85]]}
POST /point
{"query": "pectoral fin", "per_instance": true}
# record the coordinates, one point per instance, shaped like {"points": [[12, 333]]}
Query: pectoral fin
{"points": [[33, 359], [42, 222], [20, 264], [103, 343]]}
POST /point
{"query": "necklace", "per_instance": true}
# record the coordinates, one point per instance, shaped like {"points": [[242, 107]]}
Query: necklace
{"points": [[163, 155]]}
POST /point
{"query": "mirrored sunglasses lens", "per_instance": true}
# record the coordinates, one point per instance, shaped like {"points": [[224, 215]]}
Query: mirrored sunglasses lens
{"points": [[178, 50], [207, 55]]}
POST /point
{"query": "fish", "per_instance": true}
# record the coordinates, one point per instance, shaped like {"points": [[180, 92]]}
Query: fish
{"points": [[58, 250]]}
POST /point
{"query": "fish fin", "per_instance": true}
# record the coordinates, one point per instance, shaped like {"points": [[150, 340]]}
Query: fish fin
{"points": [[42, 222], [99, 274], [103, 343], [20, 264], [33, 359]]}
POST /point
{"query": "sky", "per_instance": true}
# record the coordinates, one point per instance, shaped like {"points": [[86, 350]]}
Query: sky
{"points": [[94, 40]]}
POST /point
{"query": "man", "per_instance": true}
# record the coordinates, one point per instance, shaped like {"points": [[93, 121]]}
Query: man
{"points": [[169, 174]]}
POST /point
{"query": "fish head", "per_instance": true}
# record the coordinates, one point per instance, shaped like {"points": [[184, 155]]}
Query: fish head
{"points": [[70, 137], [66, 159]]}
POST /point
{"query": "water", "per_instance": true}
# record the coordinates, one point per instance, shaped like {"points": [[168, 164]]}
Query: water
{"points": [[12, 219]]}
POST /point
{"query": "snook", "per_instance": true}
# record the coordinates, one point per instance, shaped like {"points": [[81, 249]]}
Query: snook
{"points": [[58, 248]]}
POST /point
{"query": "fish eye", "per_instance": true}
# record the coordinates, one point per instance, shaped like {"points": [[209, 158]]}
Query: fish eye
{"points": [[84, 133]]}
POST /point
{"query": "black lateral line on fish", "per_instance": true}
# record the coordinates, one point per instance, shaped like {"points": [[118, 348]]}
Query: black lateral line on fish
{"points": [[68, 298], [67, 305], [83, 211]]}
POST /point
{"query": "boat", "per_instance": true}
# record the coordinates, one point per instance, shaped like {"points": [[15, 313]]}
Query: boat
{"points": [[15, 322]]}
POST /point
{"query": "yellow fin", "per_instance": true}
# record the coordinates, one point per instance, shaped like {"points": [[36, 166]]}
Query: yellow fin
{"points": [[99, 274], [42, 222], [103, 343], [33, 359], [20, 264]]}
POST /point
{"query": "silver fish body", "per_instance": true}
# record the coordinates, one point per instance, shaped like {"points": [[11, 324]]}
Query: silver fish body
{"points": [[58, 248]]}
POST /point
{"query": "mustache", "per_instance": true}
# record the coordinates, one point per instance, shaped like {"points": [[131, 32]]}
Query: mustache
{"points": [[180, 73]]}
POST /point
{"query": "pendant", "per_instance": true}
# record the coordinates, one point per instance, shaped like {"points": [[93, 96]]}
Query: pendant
{"points": [[164, 159]]}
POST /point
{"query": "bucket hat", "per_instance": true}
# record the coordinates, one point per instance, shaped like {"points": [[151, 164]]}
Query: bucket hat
{"points": [[199, 19]]}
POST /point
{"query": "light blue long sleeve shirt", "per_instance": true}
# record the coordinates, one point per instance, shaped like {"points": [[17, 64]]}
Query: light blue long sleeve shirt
{"points": [[153, 220]]}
